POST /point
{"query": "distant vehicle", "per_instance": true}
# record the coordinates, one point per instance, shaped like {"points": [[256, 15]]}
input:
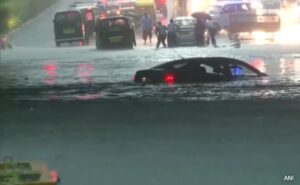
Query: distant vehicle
{"points": [[215, 69], [101, 13], [127, 8], [240, 16], [69, 27], [115, 32], [88, 14], [185, 30], [27, 173], [88, 6], [161, 7], [112, 10]]}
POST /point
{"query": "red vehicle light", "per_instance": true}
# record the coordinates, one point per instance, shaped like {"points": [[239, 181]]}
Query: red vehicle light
{"points": [[169, 78], [89, 15], [118, 12], [102, 15], [54, 176]]}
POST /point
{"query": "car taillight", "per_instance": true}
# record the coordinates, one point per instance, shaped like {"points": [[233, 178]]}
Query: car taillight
{"points": [[102, 15], [169, 78], [118, 12], [54, 176]]}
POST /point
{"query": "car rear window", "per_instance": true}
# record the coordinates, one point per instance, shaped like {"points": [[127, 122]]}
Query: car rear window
{"points": [[68, 17], [112, 7], [114, 23], [185, 22]]}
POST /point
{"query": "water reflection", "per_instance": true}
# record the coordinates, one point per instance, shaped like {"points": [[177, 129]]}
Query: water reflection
{"points": [[51, 70], [259, 64], [84, 71], [88, 96], [290, 67]]}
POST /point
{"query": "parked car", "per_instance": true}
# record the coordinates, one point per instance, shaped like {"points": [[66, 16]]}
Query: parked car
{"points": [[191, 70], [185, 30], [239, 16], [69, 27], [115, 32]]}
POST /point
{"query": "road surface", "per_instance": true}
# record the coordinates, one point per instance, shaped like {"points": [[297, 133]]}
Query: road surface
{"points": [[77, 109]]}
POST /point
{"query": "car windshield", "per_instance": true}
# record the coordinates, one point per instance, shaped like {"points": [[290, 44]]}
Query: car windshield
{"points": [[149, 92], [114, 23]]}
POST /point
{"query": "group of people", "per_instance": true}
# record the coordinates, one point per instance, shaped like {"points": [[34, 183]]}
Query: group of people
{"points": [[169, 32], [161, 31], [200, 28]]}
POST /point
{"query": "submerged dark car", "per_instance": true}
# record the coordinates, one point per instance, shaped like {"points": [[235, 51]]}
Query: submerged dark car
{"points": [[215, 69], [115, 32], [69, 27]]}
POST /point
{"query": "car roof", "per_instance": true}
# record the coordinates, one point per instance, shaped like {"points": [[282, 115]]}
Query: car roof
{"points": [[209, 61]]}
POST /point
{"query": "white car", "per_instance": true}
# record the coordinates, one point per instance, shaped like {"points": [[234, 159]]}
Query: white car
{"points": [[222, 10], [241, 16]]}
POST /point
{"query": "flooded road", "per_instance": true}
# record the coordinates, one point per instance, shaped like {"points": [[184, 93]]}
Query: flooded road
{"points": [[78, 109]]}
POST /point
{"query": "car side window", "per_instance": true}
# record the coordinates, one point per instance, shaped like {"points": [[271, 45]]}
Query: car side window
{"points": [[240, 70], [213, 10], [243, 7]]}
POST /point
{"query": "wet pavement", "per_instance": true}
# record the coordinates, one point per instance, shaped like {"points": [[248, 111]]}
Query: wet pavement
{"points": [[77, 109]]}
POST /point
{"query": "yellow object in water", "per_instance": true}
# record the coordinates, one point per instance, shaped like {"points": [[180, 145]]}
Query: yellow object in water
{"points": [[27, 173]]}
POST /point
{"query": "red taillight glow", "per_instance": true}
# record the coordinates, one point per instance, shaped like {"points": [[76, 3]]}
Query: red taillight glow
{"points": [[102, 15], [89, 15], [169, 78], [54, 176], [50, 69]]}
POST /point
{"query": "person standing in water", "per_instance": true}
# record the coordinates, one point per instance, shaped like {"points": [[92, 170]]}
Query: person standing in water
{"points": [[172, 38], [161, 33], [147, 28]]}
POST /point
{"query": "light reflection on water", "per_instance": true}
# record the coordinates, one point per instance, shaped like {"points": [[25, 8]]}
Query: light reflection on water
{"points": [[50, 68], [290, 68], [92, 80], [84, 72]]}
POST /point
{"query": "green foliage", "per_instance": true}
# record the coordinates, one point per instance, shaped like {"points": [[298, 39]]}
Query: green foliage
{"points": [[13, 13]]}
